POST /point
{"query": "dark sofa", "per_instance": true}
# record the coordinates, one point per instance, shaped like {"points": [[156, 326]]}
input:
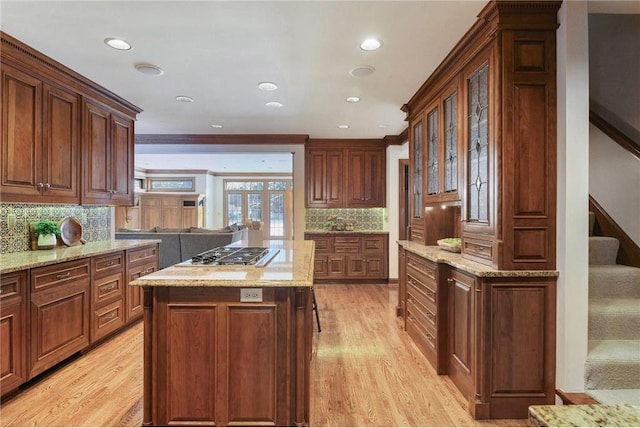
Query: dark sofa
{"points": [[179, 245]]}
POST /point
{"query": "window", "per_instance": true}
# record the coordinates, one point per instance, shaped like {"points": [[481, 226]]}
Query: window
{"points": [[172, 184], [269, 201]]}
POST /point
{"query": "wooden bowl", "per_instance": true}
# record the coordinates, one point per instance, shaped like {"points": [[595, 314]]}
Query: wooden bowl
{"points": [[71, 230]]}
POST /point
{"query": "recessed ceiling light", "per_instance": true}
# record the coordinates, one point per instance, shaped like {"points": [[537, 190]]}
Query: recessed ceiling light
{"points": [[382, 125], [343, 126], [149, 69], [267, 86], [352, 99], [119, 44], [370, 44], [274, 104], [217, 126], [362, 71], [184, 99]]}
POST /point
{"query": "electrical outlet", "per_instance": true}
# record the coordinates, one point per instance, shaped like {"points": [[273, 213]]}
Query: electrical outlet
{"points": [[11, 221], [251, 295]]}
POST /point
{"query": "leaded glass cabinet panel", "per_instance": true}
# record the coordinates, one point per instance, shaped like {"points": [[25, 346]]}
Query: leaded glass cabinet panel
{"points": [[478, 146], [417, 170], [433, 149], [451, 143]]}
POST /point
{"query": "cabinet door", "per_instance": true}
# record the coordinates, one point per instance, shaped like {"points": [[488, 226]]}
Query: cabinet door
{"points": [[462, 337], [13, 333], [97, 155], [336, 266], [451, 147], [325, 169], [171, 212], [60, 146], [59, 313], [356, 266], [433, 153], [366, 179], [150, 212], [134, 295], [21, 178], [122, 141]]}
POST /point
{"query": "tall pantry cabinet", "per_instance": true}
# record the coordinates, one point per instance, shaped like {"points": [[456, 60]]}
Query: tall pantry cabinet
{"points": [[499, 85]]}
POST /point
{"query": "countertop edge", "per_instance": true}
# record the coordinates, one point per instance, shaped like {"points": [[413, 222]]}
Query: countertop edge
{"points": [[437, 255], [14, 262]]}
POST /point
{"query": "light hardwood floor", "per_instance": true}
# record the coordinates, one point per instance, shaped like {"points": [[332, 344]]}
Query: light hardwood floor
{"points": [[365, 372]]}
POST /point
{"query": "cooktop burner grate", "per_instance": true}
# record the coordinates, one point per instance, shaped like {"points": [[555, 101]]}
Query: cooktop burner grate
{"points": [[225, 256]]}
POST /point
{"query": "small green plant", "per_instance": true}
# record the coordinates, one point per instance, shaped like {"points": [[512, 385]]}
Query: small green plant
{"points": [[46, 227]]}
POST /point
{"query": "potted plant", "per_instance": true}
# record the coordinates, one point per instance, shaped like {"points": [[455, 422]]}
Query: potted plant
{"points": [[46, 231]]}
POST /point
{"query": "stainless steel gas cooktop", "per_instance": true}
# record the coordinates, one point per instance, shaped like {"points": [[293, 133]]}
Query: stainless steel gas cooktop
{"points": [[227, 256]]}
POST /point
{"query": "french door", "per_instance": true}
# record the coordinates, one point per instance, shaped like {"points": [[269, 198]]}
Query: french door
{"points": [[267, 201]]}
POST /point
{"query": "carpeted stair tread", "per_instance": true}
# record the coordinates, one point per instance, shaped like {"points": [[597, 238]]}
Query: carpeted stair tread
{"points": [[592, 222], [613, 318], [615, 396], [613, 364], [614, 281], [603, 250]]}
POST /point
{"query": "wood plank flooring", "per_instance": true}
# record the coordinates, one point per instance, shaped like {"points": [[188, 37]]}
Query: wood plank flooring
{"points": [[365, 372]]}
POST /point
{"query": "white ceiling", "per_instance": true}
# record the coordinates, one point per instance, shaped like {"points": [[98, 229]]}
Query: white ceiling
{"points": [[217, 51]]}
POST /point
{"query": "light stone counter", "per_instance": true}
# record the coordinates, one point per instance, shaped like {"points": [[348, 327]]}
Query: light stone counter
{"points": [[587, 415], [13, 262], [341, 232], [291, 267], [437, 255]]}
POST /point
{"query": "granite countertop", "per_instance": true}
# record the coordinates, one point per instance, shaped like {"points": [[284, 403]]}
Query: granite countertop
{"points": [[13, 262], [291, 267], [437, 255], [586, 415], [338, 232]]}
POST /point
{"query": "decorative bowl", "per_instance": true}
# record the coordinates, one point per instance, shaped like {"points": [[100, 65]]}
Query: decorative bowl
{"points": [[453, 245]]}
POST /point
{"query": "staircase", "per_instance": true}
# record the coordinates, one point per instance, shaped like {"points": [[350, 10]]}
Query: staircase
{"points": [[612, 369]]}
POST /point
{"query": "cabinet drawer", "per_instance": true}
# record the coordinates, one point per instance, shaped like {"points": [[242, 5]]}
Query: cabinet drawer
{"points": [[423, 338], [373, 244], [423, 316], [108, 288], [141, 270], [477, 248], [323, 243], [76, 271], [347, 244], [419, 292], [102, 265], [13, 286], [422, 267], [142, 255], [107, 319]]}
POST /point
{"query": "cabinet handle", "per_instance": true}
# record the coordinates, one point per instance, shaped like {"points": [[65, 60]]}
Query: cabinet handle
{"points": [[47, 186], [110, 316], [63, 275], [150, 270], [111, 263], [110, 287], [39, 186], [450, 280]]}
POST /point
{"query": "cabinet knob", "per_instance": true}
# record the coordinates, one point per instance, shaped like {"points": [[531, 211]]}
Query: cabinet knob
{"points": [[39, 186], [47, 186]]}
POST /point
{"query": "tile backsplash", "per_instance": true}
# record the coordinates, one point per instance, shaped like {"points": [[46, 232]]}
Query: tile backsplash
{"points": [[363, 218], [96, 222]]}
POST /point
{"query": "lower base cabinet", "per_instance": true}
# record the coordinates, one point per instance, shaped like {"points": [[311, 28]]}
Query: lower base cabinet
{"points": [[49, 313], [13, 330], [59, 313], [211, 360], [494, 336]]}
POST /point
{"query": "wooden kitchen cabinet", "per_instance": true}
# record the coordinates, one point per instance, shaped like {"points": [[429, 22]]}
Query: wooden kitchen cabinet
{"points": [[140, 262], [107, 294], [55, 149], [107, 156], [348, 256], [324, 171], [13, 330], [59, 313], [366, 176], [170, 211], [40, 146], [251, 360], [341, 175]]}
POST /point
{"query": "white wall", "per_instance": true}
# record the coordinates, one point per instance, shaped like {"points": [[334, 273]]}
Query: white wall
{"points": [[573, 191], [614, 181], [394, 154]]}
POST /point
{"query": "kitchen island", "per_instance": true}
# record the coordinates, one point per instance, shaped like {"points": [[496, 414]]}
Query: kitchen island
{"points": [[230, 345]]}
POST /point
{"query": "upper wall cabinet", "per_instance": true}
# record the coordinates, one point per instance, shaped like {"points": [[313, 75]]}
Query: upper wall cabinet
{"points": [[40, 125], [108, 157], [45, 128], [494, 97], [345, 174]]}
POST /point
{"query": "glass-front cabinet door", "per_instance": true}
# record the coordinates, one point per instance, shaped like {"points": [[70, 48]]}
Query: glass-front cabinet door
{"points": [[450, 123], [433, 152], [417, 164]]}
